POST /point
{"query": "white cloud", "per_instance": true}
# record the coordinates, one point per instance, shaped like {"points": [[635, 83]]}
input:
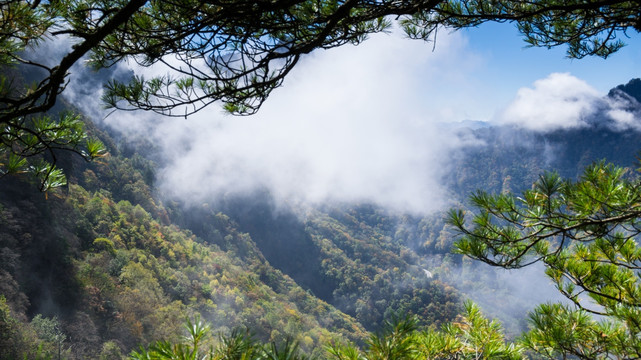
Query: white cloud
{"points": [[350, 124], [625, 111], [624, 119], [559, 101]]}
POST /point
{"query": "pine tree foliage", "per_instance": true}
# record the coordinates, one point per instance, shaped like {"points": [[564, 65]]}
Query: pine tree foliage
{"points": [[471, 336], [236, 346], [586, 27], [585, 233]]}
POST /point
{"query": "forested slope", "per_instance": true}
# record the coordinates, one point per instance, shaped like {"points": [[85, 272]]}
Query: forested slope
{"points": [[104, 265], [103, 257]]}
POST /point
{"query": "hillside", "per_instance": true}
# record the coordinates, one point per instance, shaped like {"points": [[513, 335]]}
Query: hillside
{"points": [[109, 265], [113, 272]]}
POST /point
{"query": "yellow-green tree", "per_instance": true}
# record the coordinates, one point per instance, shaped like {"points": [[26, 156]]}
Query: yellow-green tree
{"points": [[471, 336]]}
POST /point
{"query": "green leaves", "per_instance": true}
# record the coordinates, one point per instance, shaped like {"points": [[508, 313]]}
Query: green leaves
{"points": [[238, 345], [558, 331], [31, 147], [48, 175], [585, 234], [587, 28], [15, 164], [188, 350], [471, 336], [95, 149]]}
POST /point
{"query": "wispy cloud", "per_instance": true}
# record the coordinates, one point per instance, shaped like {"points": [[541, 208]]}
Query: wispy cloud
{"points": [[624, 111], [559, 101], [350, 124], [563, 101]]}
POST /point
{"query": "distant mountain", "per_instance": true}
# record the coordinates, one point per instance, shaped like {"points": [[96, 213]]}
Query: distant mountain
{"points": [[466, 124], [632, 88], [509, 158]]}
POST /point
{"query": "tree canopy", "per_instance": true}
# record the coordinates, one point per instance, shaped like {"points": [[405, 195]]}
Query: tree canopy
{"points": [[586, 27], [585, 233], [234, 52], [471, 336]]}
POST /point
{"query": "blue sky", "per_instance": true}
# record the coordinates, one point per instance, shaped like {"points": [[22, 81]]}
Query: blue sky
{"points": [[510, 64]]}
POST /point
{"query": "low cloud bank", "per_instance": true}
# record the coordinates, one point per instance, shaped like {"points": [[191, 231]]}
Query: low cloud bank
{"points": [[562, 101], [352, 124]]}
